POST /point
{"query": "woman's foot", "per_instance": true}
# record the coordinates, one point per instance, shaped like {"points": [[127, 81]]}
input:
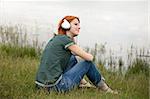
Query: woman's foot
{"points": [[86, 85], [104, 87], [109, 90]]}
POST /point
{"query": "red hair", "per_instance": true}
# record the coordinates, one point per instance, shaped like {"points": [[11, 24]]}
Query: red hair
{"points": [[69, 19]]}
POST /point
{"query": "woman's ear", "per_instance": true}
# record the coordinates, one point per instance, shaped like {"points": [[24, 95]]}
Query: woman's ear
{"points": [[65, 25]]}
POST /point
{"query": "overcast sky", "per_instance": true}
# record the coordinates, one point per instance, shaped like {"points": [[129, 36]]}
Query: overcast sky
{"points": [[117, 22]]}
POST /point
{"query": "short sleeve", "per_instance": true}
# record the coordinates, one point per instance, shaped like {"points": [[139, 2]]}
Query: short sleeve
{"points": [[67, 41]]}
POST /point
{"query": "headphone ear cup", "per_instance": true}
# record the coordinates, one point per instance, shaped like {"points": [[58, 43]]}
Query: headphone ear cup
{"points": [[65, 24]]}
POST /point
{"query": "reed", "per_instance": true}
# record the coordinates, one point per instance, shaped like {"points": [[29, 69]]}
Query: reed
{"points": [[14, 41]]}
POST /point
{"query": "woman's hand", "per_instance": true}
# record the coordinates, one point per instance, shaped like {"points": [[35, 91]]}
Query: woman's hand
{"points": [[80, 52]]}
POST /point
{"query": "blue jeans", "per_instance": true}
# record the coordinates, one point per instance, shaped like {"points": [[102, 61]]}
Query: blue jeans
{"points": [[74, 73]]}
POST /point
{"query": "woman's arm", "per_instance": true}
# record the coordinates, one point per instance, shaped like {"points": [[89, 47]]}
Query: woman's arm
{"points": [[80, 52]]}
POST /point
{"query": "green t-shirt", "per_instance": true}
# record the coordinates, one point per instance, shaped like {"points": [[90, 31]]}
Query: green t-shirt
{"points": [[54, 60]]}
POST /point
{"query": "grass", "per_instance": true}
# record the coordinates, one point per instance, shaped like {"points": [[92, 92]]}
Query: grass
{"points": [[17, 82], [19, 51]]}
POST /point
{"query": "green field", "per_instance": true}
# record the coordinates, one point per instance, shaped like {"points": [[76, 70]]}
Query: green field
{"points": [[17, 76]]}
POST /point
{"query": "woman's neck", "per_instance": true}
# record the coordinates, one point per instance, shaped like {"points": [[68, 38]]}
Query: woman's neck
{"points": [[69, 34]]}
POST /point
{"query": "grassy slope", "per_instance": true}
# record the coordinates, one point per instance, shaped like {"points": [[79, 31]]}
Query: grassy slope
{"points": [[17, 82]]}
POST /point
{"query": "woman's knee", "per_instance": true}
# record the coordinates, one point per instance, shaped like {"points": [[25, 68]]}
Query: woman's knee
{"points": [[87, 63]]}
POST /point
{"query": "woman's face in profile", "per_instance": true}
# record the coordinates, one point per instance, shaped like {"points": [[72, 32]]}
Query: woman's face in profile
{"points": [[75, 27]]}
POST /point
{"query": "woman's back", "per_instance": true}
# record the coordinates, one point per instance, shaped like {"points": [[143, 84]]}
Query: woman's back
{"points": [[54, 59]]}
